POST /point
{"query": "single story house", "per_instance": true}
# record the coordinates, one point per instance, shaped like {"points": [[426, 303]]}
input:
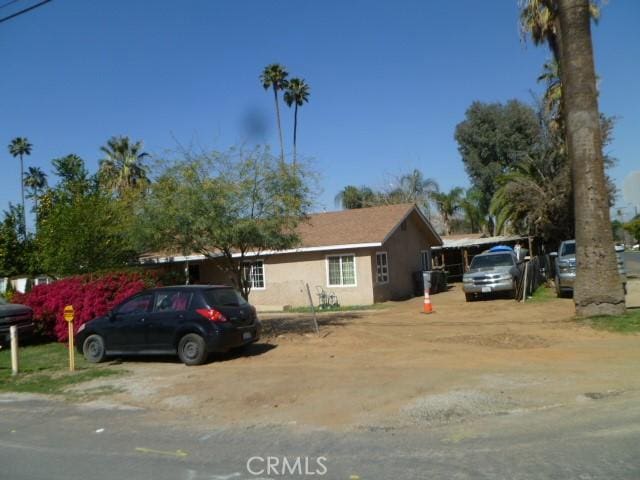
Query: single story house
{"points": [[362, 256]]}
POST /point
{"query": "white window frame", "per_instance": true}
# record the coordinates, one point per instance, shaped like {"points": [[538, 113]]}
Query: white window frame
{"points": [[251, 264], [355, 270], [423, 265], [378, 274]]}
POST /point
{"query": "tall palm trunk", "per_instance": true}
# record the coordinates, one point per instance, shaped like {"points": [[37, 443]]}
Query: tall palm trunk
{"points": [[295, 131], [24, 213], [275, 96], [598, 288]]}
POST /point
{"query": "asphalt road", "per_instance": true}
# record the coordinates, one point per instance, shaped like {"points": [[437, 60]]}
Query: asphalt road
{"points": [[592, 439]]}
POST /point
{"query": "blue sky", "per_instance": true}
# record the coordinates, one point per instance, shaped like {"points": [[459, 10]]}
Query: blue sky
{"points": [[389, 80]]}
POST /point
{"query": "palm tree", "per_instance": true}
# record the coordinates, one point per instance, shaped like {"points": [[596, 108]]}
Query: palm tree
{"points": [[418, 189], [471, 207], [297, 93], [539, 18], [598, 288], [122, 167], [448, 205], [553, 94], [36, 180], [351, 197], [19, 147], [275, 76]]}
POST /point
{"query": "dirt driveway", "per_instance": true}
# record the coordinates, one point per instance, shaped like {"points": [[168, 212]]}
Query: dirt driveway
{"points": [[396, 366]]}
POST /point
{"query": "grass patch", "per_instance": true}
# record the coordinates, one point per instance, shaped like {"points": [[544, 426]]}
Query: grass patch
{"points": [[543, 294], [627, 323], [45, 369], [345, 308]]}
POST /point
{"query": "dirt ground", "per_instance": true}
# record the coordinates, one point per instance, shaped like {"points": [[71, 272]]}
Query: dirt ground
{"points": [[396, 366]]}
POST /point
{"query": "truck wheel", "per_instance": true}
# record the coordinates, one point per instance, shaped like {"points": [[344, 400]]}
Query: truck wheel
{"points": [[558, 291], [469, 297], [93, 348], [192, 349]]}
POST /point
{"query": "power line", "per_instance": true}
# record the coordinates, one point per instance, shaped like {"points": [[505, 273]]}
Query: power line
{"points": [[25, 10], [9, 3]]}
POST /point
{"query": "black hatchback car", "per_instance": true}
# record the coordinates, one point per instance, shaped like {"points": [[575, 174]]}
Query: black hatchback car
{"points": [[12, 314], [192, 321]]}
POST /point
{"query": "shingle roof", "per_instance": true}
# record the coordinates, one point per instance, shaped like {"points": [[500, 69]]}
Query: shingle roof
{"points": [[349, 227], [357, 227]]}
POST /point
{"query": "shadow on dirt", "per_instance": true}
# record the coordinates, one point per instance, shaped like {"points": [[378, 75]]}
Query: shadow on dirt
{"points": [[303, 323], [252, 350]]}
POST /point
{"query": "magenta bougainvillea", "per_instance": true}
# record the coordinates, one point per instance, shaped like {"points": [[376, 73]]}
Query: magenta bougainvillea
{"points": [[91, 296]]}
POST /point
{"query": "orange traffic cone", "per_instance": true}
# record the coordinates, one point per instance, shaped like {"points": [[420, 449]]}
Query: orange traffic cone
{"points": [[428, 308]]}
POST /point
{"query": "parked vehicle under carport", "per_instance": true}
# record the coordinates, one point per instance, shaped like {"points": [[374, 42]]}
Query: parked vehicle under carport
{"points": [[492, 272]]}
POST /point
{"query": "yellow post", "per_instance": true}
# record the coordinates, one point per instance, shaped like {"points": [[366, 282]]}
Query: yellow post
{"points": [[69, 314]]}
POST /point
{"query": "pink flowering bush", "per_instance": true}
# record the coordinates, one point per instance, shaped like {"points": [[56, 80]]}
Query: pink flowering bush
{"points": [[91, 296]]}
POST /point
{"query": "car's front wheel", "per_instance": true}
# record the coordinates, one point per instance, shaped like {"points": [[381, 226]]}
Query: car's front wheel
{"points": [[93, 348], [192, 349]]}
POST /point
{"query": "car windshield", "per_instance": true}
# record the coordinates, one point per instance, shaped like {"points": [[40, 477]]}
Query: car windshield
{"points": [[489, 261], [568, 249], [223, 297]]}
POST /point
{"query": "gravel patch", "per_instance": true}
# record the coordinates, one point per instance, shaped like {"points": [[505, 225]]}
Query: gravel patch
{"points": [[455, 406]]}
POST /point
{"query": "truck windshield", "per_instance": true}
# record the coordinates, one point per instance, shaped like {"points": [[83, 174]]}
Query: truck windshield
{"points": [[489, 261], [568, 249]]}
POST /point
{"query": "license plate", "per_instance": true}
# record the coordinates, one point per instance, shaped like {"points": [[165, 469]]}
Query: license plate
{"points": [[486, 289], [246, 336]]}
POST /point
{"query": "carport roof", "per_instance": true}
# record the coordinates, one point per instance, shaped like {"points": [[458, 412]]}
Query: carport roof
{"points": [[472, 240]]}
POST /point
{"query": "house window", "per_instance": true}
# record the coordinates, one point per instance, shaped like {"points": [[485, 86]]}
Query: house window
{"points": [[254, 274], [341, 270], [382, 267], [425, 257]]}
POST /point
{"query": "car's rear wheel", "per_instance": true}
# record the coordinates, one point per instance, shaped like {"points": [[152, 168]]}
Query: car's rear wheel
{"points": [[93, 348], [192, 349]]}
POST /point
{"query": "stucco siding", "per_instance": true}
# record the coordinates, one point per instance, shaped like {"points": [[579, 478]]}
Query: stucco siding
{"points": [[403, 249], [285, 277]]}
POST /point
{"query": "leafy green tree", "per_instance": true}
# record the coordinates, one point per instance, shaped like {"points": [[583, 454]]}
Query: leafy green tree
{"points": [[122, 167], [19, 147], [232, 205], [36, 181], [81, 228], [633, 227], [274, 76], [492, 139], [84, 235], [448, 204], [13, 240], [297, 94]]}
